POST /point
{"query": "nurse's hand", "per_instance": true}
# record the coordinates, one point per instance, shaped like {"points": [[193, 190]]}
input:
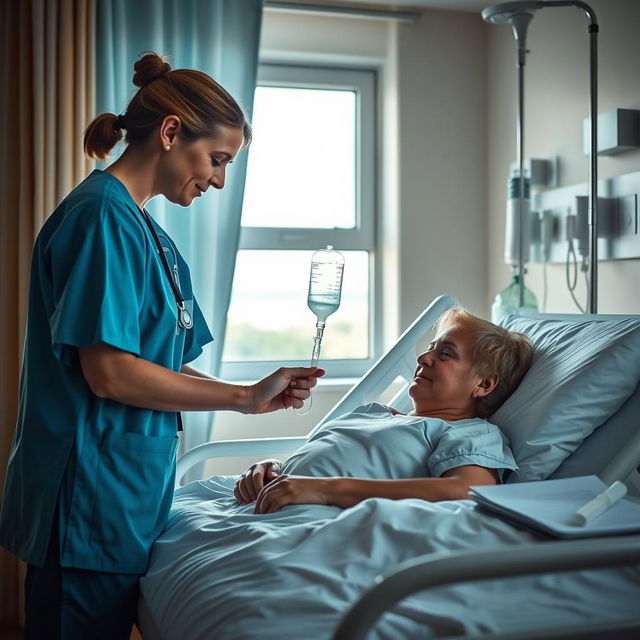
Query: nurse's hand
{"points": [[287, 387], [254, 478]]}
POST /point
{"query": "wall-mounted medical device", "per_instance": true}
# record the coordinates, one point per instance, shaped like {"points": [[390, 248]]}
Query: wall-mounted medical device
{"points": [[618, 131], [560, 217], [542, 172]]}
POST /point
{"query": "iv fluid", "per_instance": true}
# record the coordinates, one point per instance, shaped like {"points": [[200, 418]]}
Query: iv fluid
{"points": [[323, 306], [325, 282]]}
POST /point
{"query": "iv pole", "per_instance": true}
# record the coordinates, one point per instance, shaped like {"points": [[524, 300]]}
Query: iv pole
{"points": [[520, 24], [593, 148], [519, 14]]}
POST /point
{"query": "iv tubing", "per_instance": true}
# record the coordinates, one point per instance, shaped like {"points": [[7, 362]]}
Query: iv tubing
{"points": [[315, 356]]}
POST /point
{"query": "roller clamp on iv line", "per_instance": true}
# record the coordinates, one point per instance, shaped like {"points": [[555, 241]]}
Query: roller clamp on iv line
{"points": [[323, 298]]}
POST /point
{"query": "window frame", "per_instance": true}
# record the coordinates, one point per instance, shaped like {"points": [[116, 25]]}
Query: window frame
{"points": [[360, 238]]}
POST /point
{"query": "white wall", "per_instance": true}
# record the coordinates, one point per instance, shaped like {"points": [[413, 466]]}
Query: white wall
{"points": [[556, 102], [442, 102]]}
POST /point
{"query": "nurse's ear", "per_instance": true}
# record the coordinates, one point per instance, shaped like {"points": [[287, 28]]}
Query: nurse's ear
{"points": [[169, 129]]}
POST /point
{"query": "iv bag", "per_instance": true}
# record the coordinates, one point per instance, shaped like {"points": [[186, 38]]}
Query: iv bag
{"points": [[325, 282], [325, 289]]}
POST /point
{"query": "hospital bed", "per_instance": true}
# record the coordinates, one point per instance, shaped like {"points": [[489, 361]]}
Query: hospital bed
{"points": [[612, 450]]}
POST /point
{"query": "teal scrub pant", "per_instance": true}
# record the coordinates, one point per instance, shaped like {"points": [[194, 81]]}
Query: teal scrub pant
{"points": [[63, 603]]}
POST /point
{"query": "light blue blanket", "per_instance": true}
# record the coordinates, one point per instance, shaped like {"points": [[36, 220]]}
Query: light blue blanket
{"points": [[219, 571]]}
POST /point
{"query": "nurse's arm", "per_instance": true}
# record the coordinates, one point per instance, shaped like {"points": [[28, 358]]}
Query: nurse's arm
{"points": [[122, 376]]}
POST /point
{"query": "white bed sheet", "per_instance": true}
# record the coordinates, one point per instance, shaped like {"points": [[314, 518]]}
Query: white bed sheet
{"points": [[219, 571]]}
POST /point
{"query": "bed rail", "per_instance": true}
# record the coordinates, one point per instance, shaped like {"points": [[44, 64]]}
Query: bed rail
{"points": [[401, 358], [437, 569], [229, 448]]}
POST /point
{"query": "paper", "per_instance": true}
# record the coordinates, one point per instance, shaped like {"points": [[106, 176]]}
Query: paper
{"points": [[549, 505]]}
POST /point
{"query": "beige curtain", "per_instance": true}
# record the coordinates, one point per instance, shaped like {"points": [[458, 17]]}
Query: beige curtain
{"points": [[47, 99]]}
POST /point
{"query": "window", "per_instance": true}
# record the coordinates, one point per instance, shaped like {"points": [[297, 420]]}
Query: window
{"points": [[310, 183]]}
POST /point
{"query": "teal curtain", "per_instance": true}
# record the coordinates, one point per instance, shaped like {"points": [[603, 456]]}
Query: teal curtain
{"points": [[221, 38]]}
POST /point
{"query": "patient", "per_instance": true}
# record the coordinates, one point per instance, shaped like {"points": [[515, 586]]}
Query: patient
{"points": [[436, 452]]}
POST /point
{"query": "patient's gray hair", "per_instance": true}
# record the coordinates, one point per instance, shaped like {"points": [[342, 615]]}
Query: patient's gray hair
{"points": [[495, 351]]}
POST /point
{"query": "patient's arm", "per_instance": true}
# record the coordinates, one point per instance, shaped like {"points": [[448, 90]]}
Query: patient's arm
{"points": [[346, 492]]}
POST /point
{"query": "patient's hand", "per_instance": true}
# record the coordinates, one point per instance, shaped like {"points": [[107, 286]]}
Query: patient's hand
{"points": [[255, 478], [286, 490]]}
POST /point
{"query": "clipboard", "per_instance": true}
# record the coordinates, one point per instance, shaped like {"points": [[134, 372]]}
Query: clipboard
{"points": [[549, 506]]}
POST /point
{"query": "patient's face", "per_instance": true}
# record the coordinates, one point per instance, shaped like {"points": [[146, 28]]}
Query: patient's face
{"points": [[443, 384]]}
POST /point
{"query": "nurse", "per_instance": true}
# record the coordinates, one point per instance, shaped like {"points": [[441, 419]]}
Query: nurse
{"points": [[112, 326]]}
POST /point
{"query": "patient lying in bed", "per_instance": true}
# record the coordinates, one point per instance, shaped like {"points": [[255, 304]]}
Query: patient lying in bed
{"points": [[220, 570], [436, 452]]}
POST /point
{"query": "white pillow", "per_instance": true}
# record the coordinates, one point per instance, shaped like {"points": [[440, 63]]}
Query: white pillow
{"points": [[609, 439], [582, 372]]}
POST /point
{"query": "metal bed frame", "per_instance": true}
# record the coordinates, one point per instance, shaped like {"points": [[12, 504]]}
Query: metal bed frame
{"points": [[435, 570]]}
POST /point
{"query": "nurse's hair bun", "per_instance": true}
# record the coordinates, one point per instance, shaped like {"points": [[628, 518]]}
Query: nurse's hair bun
{"points": [[148, 68], [201, 104]]}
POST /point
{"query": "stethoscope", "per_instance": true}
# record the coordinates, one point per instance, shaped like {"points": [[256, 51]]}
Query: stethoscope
{"points": [[185, 319]]}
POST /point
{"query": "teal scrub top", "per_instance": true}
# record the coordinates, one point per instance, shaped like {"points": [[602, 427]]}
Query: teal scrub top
{"points": [[108, 467]]}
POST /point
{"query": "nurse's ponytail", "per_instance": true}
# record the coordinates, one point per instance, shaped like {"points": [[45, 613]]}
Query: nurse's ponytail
{"points": [[197, 99]]}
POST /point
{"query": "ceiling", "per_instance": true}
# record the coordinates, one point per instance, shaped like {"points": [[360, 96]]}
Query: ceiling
{"points": [[453, 5]]}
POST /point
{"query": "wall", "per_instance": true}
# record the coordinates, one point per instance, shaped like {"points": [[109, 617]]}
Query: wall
{"points": [[431, 233], [556, 102], [442, 102]]}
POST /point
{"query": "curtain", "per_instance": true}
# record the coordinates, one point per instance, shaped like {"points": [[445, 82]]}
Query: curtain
{"points": [[46, 100], [221, 38]]}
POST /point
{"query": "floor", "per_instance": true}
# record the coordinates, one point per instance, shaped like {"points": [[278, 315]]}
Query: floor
{"points": [[17, 635]]}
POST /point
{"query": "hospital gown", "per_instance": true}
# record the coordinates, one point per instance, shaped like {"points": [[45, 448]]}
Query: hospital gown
{"points": [[372, 442]]}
